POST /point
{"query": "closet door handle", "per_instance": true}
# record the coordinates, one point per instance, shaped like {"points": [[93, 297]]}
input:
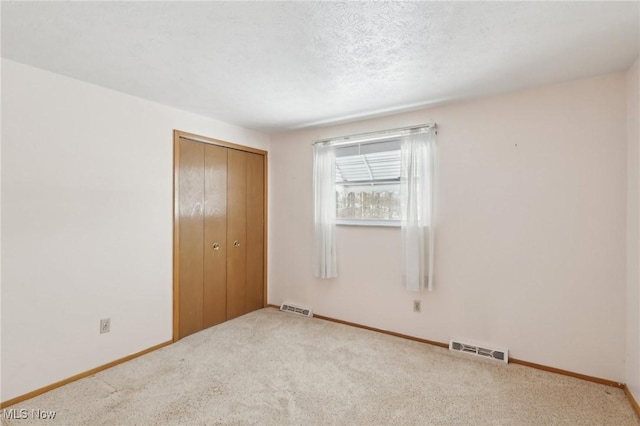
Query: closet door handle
{"points": [[216, 246], [236, 243]]}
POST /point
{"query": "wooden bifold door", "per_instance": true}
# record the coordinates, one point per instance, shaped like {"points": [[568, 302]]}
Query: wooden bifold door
{"points": [[219, 232]]}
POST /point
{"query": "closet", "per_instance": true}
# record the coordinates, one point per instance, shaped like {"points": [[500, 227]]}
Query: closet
{"points": [[219, 232]]}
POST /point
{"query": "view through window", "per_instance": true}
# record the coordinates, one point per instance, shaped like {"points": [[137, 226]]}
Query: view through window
{"points": [[368, 181]]}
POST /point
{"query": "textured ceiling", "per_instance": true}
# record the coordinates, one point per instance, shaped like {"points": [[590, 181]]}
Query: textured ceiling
{"points": [[280, 65]]}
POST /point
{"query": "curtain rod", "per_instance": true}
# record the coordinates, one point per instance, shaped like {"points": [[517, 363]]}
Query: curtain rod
{"points": [[349, 138]]}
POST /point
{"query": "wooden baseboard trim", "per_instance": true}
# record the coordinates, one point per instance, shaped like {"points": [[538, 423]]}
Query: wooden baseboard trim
{"points": [[632, 400], [40, 391], [567, 373], [379, 330]]}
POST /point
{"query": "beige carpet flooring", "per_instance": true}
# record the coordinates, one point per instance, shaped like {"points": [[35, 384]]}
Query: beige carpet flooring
{"points": [[276, 368]]}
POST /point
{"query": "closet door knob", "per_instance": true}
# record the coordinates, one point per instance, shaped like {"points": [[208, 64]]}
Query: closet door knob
{"points": [[236, 243], [216, 246]]}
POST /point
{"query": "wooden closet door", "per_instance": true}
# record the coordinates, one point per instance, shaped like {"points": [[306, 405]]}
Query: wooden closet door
{"points": [[190, 195], [215, 235], [255, 232], [236, 233]]}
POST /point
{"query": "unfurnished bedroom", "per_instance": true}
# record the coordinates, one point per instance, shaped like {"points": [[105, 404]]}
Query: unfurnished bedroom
{"points": [[324, 213]]}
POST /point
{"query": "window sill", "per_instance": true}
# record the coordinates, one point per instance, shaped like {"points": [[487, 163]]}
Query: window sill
{"points": [[368, 222]]}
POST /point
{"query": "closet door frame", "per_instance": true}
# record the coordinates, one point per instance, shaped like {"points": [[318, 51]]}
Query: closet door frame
{"points": [[177, 135]]}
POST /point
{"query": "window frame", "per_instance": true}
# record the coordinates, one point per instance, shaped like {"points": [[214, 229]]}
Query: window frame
{"points": [[384, 223]]}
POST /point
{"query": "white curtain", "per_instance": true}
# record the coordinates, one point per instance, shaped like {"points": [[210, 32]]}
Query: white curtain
{"points": [[324, 197], [416, 191]]}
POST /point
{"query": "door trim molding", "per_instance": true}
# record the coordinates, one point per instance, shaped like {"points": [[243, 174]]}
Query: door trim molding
{"points": [[177, 135]]}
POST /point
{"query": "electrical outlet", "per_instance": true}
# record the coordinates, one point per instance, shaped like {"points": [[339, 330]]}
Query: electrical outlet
{"points": [[105, 325], [416, 306]]}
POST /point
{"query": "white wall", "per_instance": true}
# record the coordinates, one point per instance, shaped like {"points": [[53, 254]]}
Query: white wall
{"points": [[87, 223], [531, 232], [633, 233]]}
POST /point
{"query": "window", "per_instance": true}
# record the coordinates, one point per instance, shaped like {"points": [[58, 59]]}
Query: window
{"points": [[382, 178], [368, 183]]}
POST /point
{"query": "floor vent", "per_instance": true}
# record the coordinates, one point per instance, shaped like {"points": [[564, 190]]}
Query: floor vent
{"points": [[483, 351], [296, 309]]}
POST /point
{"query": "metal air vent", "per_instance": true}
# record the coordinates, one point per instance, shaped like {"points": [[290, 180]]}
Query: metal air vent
{"points": [[484, 351], [296, 309]]}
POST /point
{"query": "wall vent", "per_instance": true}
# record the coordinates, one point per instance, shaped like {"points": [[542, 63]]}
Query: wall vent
{"points": [[296, 309], [484, 351]]}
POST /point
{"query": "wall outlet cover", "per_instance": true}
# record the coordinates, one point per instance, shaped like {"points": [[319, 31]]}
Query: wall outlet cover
{"points": [[105, 325]]}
